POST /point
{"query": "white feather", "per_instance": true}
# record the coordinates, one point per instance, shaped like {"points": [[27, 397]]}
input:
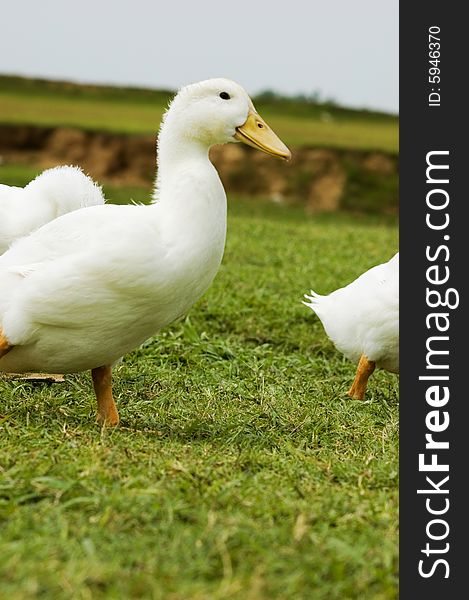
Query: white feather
{"points": [[52, 193]]}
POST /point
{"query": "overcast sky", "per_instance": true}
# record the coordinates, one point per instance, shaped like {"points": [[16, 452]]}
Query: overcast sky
{"points": [[346, 50]]}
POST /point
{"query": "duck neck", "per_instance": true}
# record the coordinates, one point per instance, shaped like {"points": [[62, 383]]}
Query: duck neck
{"points": [[188, 190], [181, 151], [175, 157]]}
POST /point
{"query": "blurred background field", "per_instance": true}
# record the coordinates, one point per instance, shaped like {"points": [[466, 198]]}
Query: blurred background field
{"points": [[299, 121], [343, 159], [241, 469]]}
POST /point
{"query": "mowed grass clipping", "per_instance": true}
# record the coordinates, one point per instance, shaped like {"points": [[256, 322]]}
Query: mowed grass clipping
{"points": [[134, 111], [241, 470]]}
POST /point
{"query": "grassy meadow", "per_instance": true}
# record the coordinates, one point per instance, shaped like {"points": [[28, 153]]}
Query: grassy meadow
{"points": [[241, 470]]}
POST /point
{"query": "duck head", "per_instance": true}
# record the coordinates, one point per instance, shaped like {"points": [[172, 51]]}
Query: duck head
{"points": [[217, 111]]}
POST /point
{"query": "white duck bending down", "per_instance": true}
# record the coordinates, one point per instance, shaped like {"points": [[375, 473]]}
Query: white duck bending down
{"points": [[92, 285], [362, 320], [52, 193]]}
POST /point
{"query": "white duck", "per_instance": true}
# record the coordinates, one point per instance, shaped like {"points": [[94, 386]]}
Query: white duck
{"points": [[362, 320], [52, 193], [92, 285]]}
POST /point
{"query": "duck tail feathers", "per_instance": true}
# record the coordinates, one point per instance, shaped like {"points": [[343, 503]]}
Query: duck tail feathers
{"points": [[312, 300]]}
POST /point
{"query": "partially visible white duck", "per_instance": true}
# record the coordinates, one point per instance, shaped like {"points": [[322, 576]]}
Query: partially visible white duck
{"points": [[52, 193], [362, 321], [92, 285]]}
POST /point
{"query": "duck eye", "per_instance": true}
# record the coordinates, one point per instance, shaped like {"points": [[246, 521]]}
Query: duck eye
{"points": [[224, 96]]}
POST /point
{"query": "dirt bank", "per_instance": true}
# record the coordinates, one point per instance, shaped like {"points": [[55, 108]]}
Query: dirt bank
{"points": [[321, 179]]}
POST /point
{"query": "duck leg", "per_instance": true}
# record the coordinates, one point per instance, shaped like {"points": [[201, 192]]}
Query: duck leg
{"points": [[364, 370], [4, 345], [102, 383]]}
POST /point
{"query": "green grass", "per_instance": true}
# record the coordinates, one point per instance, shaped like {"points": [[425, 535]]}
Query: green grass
{"points": [[139, 111], [241, 470]]}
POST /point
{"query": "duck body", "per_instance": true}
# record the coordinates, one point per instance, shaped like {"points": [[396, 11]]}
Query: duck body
{"points": [[362, 318], [106, 278], [53, 193]]}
